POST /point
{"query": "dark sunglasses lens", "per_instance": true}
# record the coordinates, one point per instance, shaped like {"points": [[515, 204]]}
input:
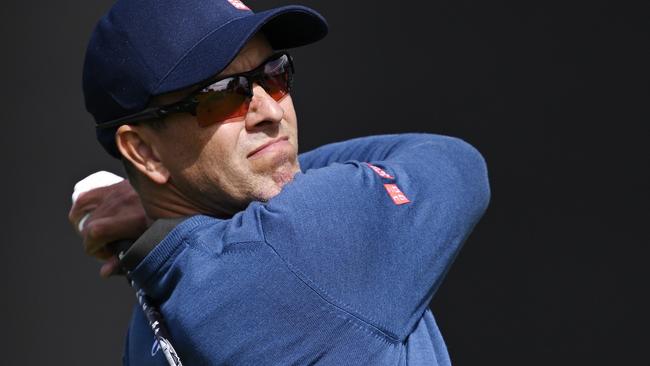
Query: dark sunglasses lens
{"points": [[223, 100], [229, 98], [277, 77]]}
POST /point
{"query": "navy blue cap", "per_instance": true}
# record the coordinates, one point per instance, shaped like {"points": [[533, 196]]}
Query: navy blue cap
{"points": [[142, 48]]}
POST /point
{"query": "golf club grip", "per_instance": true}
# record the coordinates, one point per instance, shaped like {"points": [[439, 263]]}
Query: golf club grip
{"points": [[151, 311], [119, 246]]}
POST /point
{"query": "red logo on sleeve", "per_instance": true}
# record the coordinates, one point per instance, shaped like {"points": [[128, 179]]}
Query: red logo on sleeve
{"points": [[395, 194], [380, 171]]}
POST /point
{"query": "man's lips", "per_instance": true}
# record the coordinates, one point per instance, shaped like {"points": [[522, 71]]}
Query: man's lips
{"points": [[268, 146]]}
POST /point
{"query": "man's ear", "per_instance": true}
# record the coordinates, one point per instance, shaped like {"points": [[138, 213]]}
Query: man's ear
{"points": [[136, 145]]}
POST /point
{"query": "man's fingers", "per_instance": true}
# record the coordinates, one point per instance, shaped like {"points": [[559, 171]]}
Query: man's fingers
{"points": [[100, 232], [108, 199], [108, 214], [109, 268], [105, 230], [102, 253], [85, 203]]}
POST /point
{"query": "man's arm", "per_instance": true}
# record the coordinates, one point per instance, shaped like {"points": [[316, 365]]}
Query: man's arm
{"points": [[378, 242], [341, 232], [444, 179]]}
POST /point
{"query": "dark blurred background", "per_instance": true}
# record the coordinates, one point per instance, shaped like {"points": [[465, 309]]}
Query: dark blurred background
{"points": [[555, 96]]}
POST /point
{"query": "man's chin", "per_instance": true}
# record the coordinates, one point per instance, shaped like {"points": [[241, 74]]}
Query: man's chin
{"points": [[275, 181], [283, 176]]}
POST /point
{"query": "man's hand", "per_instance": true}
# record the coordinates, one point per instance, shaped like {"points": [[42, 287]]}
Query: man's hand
{"points": [[116, 213]]}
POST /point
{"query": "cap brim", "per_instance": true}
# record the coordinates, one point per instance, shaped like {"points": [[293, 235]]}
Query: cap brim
{"points": [[285, 27]]}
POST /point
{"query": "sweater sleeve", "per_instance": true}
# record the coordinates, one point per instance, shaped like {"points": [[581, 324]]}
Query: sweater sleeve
{"points": [[374, 223]]}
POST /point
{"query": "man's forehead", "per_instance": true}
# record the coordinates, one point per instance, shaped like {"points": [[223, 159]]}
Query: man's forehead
{"points": [[254, 52]]}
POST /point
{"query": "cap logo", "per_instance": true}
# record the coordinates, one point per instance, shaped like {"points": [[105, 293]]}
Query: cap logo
{"points": [[238, 4]]}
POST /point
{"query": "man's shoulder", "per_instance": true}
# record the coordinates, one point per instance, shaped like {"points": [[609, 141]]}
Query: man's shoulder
{"points": [[200, 231]]}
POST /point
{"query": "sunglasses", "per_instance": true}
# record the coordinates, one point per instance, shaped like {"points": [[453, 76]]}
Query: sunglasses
{"points": [[224, 98]]}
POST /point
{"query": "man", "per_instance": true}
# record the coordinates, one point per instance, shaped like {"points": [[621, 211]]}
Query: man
{"points": [[259, 256]]}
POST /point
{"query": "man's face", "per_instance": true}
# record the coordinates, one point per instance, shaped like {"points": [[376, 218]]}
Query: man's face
{"points": [[221, 168]]}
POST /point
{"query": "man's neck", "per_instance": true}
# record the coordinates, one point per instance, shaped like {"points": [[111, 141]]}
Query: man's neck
{"points": [[167, 201]]}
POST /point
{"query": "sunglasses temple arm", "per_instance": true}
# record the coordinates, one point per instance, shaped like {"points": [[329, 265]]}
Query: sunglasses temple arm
{"points": [[150, 114]]}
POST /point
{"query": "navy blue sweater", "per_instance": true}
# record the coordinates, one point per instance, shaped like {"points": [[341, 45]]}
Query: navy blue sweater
{"points": [[338, 269]]}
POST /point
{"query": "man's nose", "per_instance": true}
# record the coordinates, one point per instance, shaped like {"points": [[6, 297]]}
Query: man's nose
{"points": [[263, 109]]}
